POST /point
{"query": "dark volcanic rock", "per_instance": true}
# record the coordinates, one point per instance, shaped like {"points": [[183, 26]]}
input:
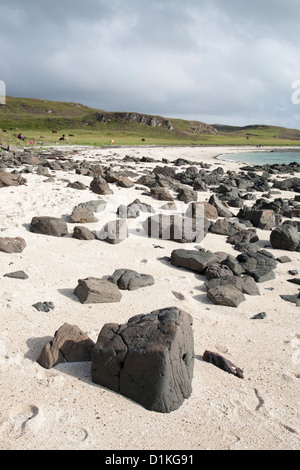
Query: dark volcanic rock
{"points": [[93, 291], [10, 179], [97, 205], [82, 215], [98, 185], [263, 219], [259, 316], [44, 306], [192, 259], [149, 359], [216, 270], [17, 275], [227, 295], [83, 233], [245, 284], [69, 344], [77, 185], [285, 237], [287, 184], [221, 207], [243, 236], [227, 226], [222, 363], [12, 245], [259, 265], [130, 279], [125, 182], [187, 195], [161, 194], [49, 226]]}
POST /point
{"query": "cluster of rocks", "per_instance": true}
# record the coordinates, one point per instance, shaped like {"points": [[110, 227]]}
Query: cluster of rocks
{"points": [[229, 190], [149, 359], [228, 278], [96, 290]]}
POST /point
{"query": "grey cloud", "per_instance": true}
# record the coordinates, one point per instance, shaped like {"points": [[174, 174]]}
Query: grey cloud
{"points": [[204, 60]]}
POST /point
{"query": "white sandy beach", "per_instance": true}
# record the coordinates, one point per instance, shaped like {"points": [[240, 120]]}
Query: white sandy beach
{"points": [[62, 408]]}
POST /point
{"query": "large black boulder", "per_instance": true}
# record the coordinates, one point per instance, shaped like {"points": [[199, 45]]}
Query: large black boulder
{"points": [[47, 225], [149, 359], [285, 237]]}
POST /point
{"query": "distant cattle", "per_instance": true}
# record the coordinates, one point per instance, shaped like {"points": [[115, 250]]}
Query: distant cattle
{"points": [[143, 140], [112, 142], [63, 137], [54, 132]]}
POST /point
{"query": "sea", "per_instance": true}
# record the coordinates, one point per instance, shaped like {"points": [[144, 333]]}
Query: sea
{"points": [[262, 158]]}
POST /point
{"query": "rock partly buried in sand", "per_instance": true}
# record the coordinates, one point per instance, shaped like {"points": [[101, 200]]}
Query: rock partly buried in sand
{"points": [[12, 245], [263, 219], [49, 226], [259, 265], [288, 184], [161, 194], [98, 185], [83, 233], [227, 295], [222, 363], [187, 195], [217, 270], [243, 236], [113, 232], [77, 185], [227, 226], [193, 259], [125, 182], [10, 179], [285, 237], [44, 306], [17, 275], [69, 344], [130, 279], [93, 290], [245, 284], [97, 205], [222, 208], [82, 215], [150, 359]]}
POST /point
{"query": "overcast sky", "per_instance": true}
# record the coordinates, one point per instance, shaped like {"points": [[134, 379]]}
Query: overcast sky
{"points": [[217, 61]]}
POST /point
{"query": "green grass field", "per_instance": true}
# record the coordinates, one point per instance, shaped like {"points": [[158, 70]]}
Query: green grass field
{"points": [[37, 118]]}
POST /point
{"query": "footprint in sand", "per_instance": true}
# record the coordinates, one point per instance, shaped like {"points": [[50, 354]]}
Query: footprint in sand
{"points": [[23, 418], [75, 433]]}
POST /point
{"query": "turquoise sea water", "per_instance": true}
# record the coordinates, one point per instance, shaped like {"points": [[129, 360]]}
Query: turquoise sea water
{"points": [[262, 158]]}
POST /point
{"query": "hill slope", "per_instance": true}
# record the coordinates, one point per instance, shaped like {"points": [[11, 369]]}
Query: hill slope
{"points": [[45, 121]]}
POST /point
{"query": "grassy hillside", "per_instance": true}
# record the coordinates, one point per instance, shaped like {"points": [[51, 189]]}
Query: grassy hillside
{"points": [[37, 119]]}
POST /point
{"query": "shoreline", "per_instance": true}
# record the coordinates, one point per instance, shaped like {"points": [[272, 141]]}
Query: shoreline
{"points": [[62, 408]]}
